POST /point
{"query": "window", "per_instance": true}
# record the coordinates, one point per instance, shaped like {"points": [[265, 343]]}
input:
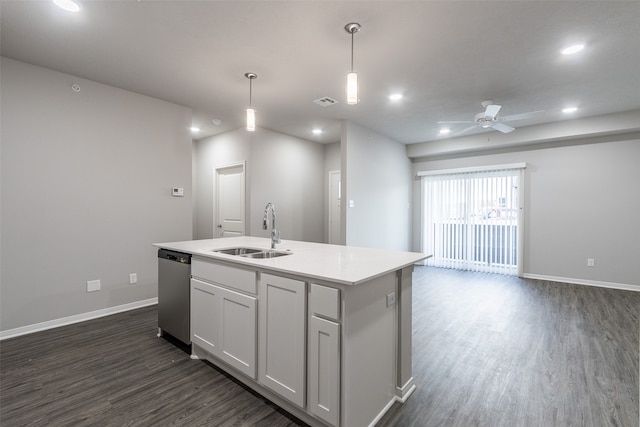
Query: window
{"points": [[471, 219]]}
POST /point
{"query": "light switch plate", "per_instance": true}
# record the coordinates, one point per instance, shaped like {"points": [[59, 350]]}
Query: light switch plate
{"points": [[93, 285]]}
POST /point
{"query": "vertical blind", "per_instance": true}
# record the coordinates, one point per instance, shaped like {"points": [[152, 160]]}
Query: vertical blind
{"points": [[471, 220]]}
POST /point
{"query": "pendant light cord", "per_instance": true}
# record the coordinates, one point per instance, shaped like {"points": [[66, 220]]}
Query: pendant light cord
{"points": [[251, 76], [351, 51], [352, 28]]}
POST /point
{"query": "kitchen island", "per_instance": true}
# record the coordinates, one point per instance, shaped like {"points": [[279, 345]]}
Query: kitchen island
{"points": [[324, 331]]}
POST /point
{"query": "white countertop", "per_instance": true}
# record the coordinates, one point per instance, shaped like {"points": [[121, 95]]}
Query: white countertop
{"points": [[346, 265]]}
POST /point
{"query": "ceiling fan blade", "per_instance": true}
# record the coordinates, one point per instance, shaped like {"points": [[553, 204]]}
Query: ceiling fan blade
{"points": [[491, 111], [465, 130], [520, 116], [502, 127], [465, 121]]}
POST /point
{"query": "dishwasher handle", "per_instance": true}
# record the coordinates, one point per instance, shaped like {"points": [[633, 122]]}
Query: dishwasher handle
{"points": [[180, 257]]}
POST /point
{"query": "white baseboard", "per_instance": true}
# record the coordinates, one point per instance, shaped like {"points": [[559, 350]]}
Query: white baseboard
{"points": [[56, 323], [403, 393], [381, 413], [612, 285]]}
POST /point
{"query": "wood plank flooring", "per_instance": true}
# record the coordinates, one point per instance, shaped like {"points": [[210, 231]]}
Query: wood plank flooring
{"points": [[488, 351], [502, 351]]}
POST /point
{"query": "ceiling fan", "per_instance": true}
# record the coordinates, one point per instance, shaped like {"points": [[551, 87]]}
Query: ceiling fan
{"points": [[489, 119]]}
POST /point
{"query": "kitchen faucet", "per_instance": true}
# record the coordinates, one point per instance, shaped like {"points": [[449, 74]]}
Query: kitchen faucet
{"points": [[275, 234]]}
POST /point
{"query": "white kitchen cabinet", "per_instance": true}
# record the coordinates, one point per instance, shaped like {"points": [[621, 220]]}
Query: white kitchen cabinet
{"points": [[238, 332], [282, 308], [323, 353], [324, 369], [224, 324], [205, 330]]}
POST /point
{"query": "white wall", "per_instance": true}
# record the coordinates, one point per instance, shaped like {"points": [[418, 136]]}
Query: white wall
{"points": [[582, 201], [376, 175], [281, 169], [86, 181]]}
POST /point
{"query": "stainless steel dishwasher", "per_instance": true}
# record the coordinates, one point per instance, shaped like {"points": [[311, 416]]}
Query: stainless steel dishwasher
{"points": [[174, 274]]}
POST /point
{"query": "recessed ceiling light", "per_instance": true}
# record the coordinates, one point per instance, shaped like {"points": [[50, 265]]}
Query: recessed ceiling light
{"points": [[570, 50], [317, 131], [195, 129], [569, 110], [444, 131], [395, 96], [68, 5]]}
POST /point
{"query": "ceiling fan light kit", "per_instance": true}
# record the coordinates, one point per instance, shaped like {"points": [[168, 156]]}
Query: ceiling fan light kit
{"points": [[489, 119]]}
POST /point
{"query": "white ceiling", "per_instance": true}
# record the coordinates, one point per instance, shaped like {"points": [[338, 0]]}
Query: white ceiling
{"points": [[444, 56]]}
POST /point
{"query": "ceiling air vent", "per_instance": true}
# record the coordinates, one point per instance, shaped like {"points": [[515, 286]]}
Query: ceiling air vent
{"points": [[325, 101]]}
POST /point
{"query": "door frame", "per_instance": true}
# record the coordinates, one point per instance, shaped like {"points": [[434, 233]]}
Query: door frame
{"points": [[330, 217], [216, 202]]}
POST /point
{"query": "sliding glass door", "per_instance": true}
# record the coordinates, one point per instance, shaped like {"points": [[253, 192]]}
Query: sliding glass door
{"points": [[471, 220]]}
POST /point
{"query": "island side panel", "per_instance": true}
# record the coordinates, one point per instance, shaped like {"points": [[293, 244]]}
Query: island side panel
{"points": [[404, 378], [369, 351]]}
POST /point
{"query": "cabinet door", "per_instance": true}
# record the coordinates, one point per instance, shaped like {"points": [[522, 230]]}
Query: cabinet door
{"points": [[282, 308], [205, 326], [238, 331], [324, 369]]}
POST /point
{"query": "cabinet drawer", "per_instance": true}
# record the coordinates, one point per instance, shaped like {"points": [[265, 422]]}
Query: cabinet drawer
{"points": [[324, 301], [231, 277]]}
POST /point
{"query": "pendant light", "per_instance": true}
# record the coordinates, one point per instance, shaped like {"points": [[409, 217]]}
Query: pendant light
{"points": [[251, 113], [352, 77]]}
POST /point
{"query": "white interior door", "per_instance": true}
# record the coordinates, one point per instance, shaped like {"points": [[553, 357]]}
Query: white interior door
{"points": [[230, 185], [335, 197]]}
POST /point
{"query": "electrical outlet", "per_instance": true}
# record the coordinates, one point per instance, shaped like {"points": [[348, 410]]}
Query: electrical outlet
{"points": [[391, 299], [133, 278], [93, 285], [591, 262]]}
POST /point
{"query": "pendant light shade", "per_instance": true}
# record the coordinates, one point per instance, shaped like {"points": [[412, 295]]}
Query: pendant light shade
{"points": [[251, 119], [352, 88], [251, 113], [352, 77]]}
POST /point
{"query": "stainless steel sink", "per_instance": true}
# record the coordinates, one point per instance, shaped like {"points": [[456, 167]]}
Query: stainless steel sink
{"points": [[266, 254], [252, 252], [238, 251]]}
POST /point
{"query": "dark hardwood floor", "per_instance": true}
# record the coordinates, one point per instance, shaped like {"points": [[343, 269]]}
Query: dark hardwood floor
{"points": [[502, 351], [488, 351]]}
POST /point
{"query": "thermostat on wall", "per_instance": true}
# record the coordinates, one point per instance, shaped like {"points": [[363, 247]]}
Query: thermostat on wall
{"points": [[177, 192]]}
